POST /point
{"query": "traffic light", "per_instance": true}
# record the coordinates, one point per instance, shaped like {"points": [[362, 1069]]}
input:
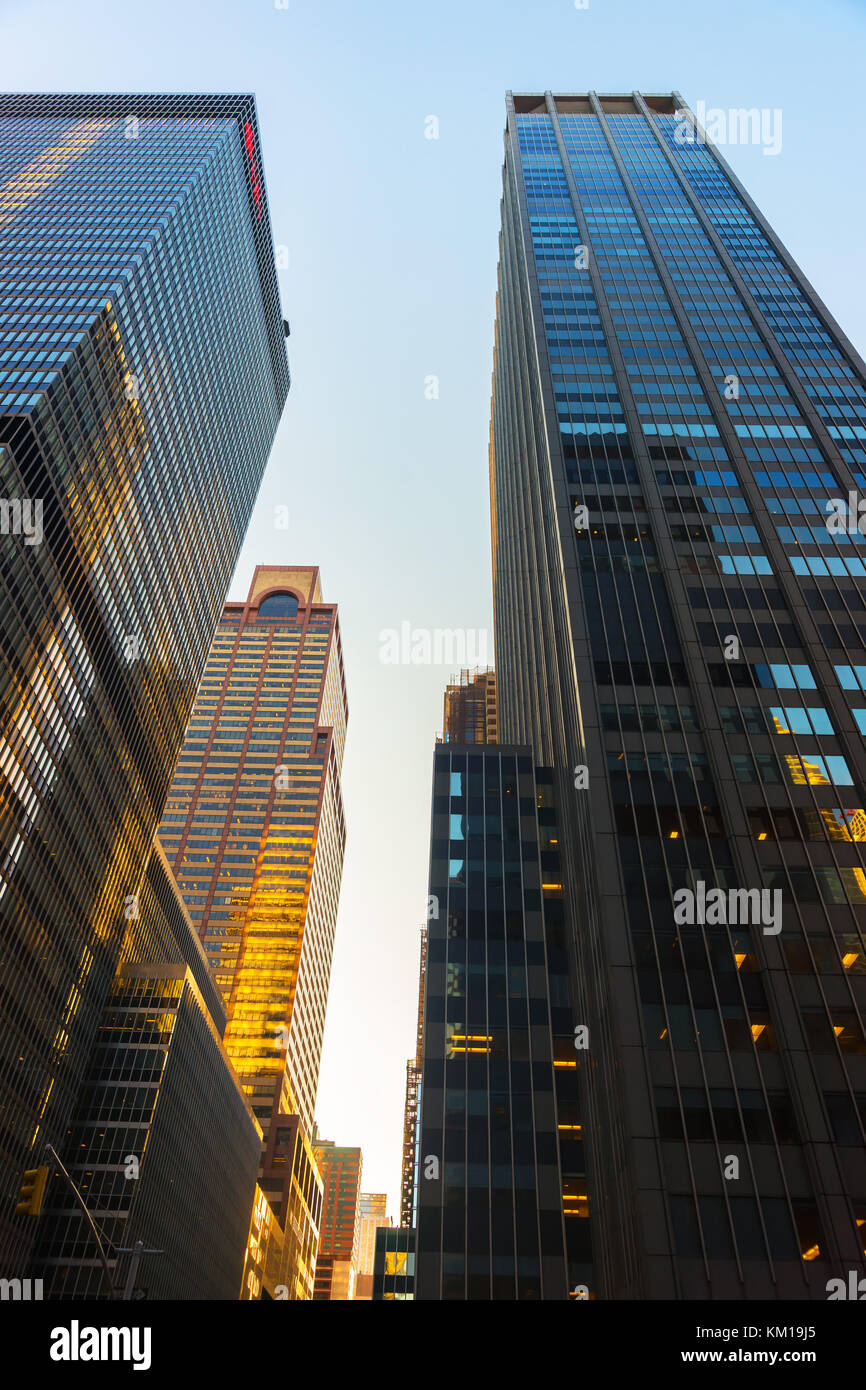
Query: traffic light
{"points": [[32, 1191]]}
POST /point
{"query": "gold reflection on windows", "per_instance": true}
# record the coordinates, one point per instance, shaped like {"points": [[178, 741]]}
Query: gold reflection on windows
{"points": [[575, 1201], [31, 181], [469, 1042], [803, 773]]}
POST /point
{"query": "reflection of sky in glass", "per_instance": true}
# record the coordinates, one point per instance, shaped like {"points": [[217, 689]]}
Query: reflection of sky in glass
{"points": [[375, 280]]}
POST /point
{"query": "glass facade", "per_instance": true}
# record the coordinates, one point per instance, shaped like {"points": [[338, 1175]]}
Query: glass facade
{"points": [[503, 1201], [142, 376], [394, 1265], [254, 829], [162, 1135], [677, 630]]}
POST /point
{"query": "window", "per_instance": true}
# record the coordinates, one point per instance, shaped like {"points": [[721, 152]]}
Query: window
{"points": [[716, 1228], [784, 677], [814, 770], [821, 1030], [763, 767], [283, 605], [851, 677], [809, 1235], [747, 1226], [744, 564], [844, 1119], [797, 719], [685, 1227], [734, 719]]}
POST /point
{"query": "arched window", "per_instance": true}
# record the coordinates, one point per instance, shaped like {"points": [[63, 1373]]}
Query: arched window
{"points": [[283, 605]]}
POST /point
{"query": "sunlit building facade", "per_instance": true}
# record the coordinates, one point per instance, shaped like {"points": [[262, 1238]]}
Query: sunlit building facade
{"points": [[283, 1238], [142, 376], [255, 832], [503, 1200], [681, 637], [264, 1262], [372, 1213], [339, 1241], [469, 708]]}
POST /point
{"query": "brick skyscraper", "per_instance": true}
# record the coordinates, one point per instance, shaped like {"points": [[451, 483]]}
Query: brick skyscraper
{"points": [[254, 830]]}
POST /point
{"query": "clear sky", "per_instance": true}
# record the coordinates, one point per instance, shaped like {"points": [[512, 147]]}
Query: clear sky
{"points": [[392, 251]]}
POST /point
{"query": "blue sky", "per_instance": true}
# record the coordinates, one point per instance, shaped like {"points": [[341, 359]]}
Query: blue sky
{"points": [[392, 248]]}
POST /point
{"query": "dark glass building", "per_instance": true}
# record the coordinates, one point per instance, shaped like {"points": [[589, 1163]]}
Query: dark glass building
{"points": [[502, 1200], [142, 375], [681, 636], [162, 1135], [394, 1265]]}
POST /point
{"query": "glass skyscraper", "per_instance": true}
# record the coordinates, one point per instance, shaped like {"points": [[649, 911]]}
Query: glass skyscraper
{"points": [[142, 375], [681, 636], [162, 1137], [502, 1202]]}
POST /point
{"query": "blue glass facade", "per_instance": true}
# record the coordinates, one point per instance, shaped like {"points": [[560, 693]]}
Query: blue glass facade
{"points": [[674, 410], [142, 376]]}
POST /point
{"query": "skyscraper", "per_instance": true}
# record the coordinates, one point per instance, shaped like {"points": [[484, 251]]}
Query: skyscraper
{"points": [[409, 1170], [680, 636], [503, 1202], [372, 1213], [254, 829], [469, 712], [162, 1136], [142, 375], [394, 1265], [337, 1262]]}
